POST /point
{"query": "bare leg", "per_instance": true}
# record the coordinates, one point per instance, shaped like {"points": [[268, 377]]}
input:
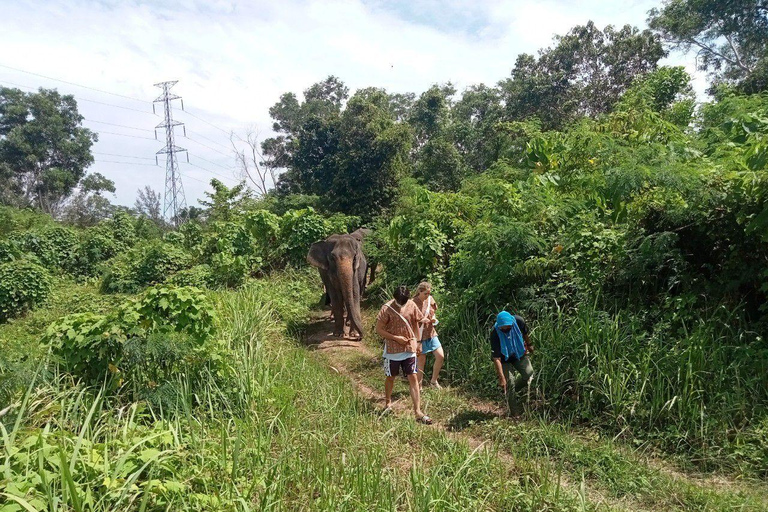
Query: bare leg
{"points": [[439, 358], [413, 384], [421, 361], [389, 383]]}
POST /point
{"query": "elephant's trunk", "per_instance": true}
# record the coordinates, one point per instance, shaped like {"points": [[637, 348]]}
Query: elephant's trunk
{"points": [[350, 293]]}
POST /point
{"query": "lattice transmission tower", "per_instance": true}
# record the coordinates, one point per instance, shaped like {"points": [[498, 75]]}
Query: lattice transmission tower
{"points": [[174, 201]]}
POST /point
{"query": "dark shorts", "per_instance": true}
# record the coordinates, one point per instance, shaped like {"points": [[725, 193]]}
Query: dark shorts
{"points": [[392, 368]]}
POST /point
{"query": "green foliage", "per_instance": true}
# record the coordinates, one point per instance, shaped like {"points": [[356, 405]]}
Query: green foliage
{"points": [[54, 246], [44, 150], [23, 285], [298, 230], [729, 38], [145, 264], [199, 276], [92, 346]]}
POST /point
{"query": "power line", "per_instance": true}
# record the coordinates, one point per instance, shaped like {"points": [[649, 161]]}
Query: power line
{"points": [[120, 125], [79, 98], [228, 133], [75, 84], [124, 163], [127, 135], [213, 172], [207, 146], [198, 134], [123, 156], [214, 163]]}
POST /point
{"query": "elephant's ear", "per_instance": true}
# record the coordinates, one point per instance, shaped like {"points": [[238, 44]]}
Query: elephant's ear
{"points": [[318, 254]]}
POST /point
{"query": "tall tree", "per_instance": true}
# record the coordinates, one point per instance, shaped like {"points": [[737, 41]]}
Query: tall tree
{"points": [[585, 73], [149, 204], [44, 150], [475, 117], [88, 206], [370, 159], [322, 101], [730, 38]]}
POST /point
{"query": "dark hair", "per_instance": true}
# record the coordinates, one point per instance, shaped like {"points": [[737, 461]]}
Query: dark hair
{"points": [[402, 294]]}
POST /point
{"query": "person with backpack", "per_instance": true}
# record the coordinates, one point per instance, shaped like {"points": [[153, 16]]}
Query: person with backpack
{"points": [[428, 340], [510, 348], [398, 322]]}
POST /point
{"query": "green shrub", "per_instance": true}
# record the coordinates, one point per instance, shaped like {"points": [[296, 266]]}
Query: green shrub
{"points": [[143, 265], [299, 229], [91, 253], [93, 347], [54, 246], [200, 276], [228, 270], [10, 250], [23, 285]]}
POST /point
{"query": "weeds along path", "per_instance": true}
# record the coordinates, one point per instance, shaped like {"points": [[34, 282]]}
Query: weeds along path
{"points": [[602, 473]]}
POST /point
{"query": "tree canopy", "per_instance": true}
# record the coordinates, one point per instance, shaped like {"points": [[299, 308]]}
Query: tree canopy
{"points": [[44, 150]]}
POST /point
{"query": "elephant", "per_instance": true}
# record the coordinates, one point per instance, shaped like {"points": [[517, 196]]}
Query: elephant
{"points": [[360, 234], [343, 269]]}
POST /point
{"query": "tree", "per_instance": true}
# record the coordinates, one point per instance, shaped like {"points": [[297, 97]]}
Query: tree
{"points": [[584, 74], [322, 100], [89, 207], [149, 204], [475, 132], [257, 168], [224, 202], [730, 38], [353, 159], [44, 150], [370, 158]]}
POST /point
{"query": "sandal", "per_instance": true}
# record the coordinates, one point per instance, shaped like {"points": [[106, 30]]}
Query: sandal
{"points": [[426, 420]]}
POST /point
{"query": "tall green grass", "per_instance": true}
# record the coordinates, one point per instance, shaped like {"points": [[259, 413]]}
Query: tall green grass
{"points": [[699, 389], [274, 429]]}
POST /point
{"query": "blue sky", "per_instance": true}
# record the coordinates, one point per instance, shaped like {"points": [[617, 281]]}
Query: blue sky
{"points": [[233, 59]]}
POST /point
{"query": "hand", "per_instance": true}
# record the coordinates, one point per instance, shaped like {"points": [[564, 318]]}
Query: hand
{"points": [[400, 339], [503, 383], [425, 320], [418, 349]]}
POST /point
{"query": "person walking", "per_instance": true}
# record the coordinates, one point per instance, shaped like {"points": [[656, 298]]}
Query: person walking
{"points": [[398, 322], [429, 343], [510, 347]]}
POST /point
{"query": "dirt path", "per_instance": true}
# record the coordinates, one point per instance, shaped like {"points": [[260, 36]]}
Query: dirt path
{"points": [[357, 361]]}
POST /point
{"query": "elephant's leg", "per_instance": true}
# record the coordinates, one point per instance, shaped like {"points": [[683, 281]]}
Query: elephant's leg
{"points": [[337, 309]]}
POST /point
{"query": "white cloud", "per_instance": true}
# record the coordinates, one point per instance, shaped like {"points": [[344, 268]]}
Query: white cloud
{"points": [[234, 59]]}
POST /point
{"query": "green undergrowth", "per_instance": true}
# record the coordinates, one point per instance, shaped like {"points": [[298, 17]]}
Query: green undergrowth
{"points": [[274, 430], [613, 469]]}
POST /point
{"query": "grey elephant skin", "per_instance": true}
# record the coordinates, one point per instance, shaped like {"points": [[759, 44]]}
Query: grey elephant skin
{"points": [[343, 268]]}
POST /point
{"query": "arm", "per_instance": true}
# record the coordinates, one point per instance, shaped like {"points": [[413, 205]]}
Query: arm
{"points": [[500, 373], [528, 346], [387, 336]]}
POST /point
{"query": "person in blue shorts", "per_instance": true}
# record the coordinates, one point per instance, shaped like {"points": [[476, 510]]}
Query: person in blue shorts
{"points": [[429, 342]]}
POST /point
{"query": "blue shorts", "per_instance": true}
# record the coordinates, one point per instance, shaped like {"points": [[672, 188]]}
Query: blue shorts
{"points": [[430, 345]]}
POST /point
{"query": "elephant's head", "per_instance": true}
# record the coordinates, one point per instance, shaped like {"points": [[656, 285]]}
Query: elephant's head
{"points": [[339, 259]]}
